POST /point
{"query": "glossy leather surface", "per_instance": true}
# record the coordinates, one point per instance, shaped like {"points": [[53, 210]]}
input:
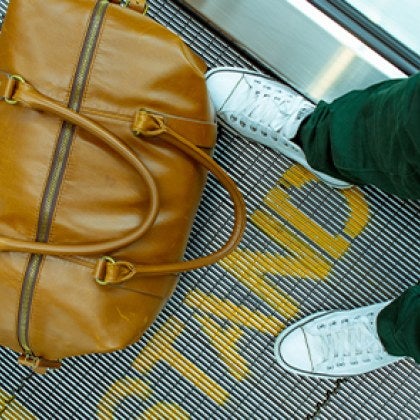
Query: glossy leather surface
{"points": [[136, 64]]}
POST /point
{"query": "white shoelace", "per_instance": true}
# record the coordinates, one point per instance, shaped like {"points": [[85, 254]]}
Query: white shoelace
{"points": [[266, 109], [349, 341]]}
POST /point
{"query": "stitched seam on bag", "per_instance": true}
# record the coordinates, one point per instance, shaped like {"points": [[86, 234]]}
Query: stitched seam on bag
{"points": [[139, 292], [126, 119], [107, 114], [188, 54], [67, 261], [78, 260], [129, 118]]}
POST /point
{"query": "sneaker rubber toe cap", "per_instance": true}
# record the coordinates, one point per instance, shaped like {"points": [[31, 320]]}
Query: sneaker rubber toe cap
{"points": [[220, 85], [292, 352]]}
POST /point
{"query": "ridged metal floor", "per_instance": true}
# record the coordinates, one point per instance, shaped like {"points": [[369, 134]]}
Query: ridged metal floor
{"points": [[210, 353]]}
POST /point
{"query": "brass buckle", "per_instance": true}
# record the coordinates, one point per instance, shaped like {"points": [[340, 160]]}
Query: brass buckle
{"points": [[126, 3], [38, 364], [15, 78], [104, 260]]}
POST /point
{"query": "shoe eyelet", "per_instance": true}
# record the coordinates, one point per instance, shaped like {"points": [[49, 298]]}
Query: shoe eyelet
{"points": [[242, 124], [264, 133], [253, 129], [233, 118]]}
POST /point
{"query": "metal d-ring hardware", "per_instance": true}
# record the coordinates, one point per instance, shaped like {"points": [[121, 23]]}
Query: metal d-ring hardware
{"points": [[103, 282], [16, 78]]}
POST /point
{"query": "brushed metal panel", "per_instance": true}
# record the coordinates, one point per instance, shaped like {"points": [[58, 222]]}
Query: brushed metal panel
{"points": [[299, 43]]}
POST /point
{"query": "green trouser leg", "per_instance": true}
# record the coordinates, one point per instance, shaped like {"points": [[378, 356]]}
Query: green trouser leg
{"points": [[370, 136], [399, 325]]}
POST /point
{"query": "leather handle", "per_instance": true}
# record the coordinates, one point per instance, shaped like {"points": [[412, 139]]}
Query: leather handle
{"points": [[21, 92], [107, 271], [150, 124], [17, 91]]}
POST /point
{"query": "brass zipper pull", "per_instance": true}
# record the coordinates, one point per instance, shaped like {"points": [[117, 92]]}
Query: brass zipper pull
{"points": [[38, 364], [137, 5]]}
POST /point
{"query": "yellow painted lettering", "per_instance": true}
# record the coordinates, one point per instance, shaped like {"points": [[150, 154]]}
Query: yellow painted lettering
{"points": [[225, 341], [239, 315], [160, 349], [134, 387], [11, 409], [165, 411], [309, 249], [118, 392]]}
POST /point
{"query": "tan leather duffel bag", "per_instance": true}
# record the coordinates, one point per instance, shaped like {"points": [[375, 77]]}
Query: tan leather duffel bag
{"points": [[106, 130]]}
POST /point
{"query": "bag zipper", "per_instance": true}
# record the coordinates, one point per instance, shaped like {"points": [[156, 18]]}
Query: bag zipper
{"points": [[58, 167]]}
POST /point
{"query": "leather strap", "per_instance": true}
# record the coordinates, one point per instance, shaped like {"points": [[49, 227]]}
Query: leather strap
{"points": [[148, 124], [18, 91], [204, 133], [154, 125]]}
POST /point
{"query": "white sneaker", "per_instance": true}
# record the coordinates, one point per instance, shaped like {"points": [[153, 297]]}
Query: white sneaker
{"points": [[264, 111], [333, 344]]}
